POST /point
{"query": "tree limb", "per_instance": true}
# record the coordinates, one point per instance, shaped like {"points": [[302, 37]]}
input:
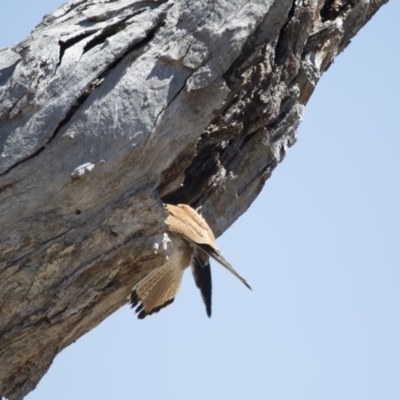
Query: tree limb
{"points": [[110, 108]]}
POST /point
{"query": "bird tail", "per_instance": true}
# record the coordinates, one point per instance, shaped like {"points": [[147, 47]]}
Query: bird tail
{"points": [[156, 290]]}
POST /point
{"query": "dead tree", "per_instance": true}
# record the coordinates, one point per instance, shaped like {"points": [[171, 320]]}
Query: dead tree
{"points": [[110, 108]]}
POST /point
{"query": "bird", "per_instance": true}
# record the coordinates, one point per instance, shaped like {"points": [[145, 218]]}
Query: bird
{"points": [[193, 243]]}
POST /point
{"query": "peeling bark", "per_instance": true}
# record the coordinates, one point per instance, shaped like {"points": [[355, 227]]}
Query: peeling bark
{"points": [[110, 108]]}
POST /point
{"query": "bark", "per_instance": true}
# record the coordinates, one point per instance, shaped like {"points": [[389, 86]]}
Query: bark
{"points": [[110, 108]]}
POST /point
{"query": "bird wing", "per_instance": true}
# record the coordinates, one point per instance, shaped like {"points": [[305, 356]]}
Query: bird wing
{"points": [[189, 223], [201, 271], [217, 256], [184, 220]]}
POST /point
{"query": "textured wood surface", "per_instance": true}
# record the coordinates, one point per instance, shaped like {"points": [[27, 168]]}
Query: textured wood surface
{"points": [[110, 108]]}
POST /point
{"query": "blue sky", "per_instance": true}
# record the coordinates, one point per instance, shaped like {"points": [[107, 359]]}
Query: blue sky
{"points": [[319, 247]]}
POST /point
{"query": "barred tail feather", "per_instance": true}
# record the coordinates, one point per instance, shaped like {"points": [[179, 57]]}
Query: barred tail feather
{"points": [[156, 290]]}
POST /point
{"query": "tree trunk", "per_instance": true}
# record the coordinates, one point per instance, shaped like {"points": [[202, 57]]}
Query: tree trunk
{"points": [[110, 109]]}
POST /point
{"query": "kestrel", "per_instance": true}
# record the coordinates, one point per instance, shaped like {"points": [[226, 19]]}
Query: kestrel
{"points": [[193, 243]]}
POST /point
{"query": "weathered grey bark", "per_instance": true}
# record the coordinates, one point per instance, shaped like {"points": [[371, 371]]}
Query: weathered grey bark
{"points": [[110, 108]]}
